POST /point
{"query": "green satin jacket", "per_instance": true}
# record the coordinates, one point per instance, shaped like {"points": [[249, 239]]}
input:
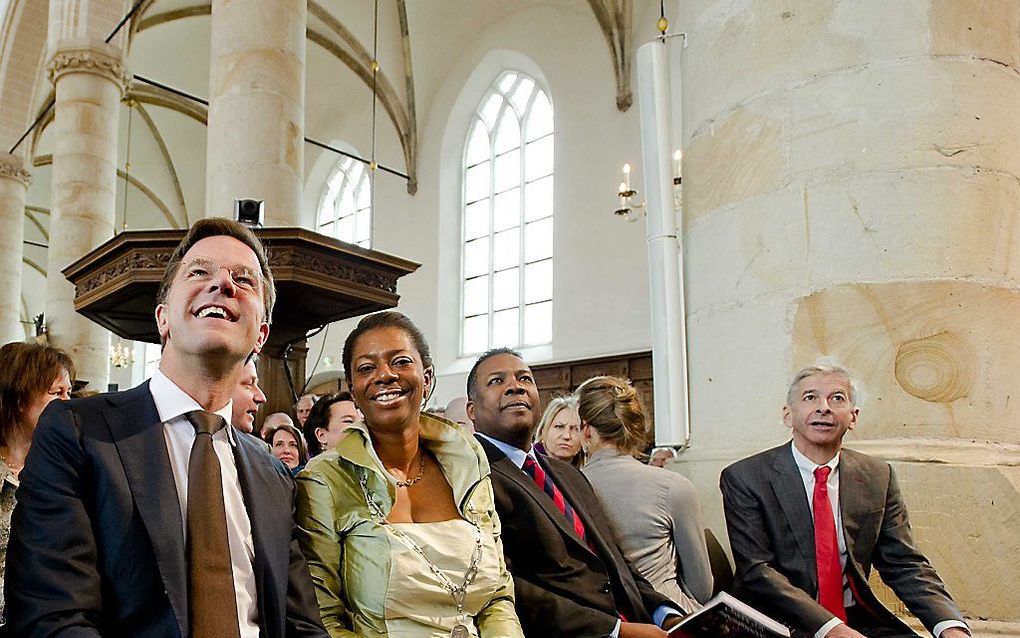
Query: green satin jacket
{"points": [[349, 553]]}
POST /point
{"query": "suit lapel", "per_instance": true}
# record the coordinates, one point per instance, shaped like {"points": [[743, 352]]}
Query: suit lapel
{"points": [[789, 490], [260, 486], [502, 465], [138, 435], [854, 498]]}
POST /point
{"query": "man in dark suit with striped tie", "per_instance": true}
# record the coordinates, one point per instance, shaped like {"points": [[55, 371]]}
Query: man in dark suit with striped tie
{"points": [[570, 578]]}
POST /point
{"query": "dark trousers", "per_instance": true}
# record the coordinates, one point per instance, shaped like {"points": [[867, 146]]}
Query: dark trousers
{"points": [[859, 619]]}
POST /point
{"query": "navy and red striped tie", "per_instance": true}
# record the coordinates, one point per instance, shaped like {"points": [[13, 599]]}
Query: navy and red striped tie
{"points": [[545, 483]]}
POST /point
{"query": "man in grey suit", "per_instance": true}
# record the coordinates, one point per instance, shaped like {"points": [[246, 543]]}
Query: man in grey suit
{"points": [[807, 520]]}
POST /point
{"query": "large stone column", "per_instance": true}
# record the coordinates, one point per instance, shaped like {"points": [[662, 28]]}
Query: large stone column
{"points": [[852, 190], [257, 107], [14, 181], [89, 81]]}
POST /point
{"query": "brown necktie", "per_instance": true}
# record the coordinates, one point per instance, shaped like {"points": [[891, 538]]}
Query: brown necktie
{"points": [[212, 602]]}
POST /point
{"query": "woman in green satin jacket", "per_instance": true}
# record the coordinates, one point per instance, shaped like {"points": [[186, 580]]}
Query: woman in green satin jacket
{"points": [[398, 522]]}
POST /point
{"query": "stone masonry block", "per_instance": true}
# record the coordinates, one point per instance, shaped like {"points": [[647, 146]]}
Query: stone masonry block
{"points": [[906, 114], [935, 359]]}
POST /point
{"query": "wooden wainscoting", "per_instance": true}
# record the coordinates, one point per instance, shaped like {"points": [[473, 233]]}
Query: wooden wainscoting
{"points": [[557, 379]]}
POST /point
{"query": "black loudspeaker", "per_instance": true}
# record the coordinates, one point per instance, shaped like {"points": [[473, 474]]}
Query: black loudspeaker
{"points": [[249, 211]]}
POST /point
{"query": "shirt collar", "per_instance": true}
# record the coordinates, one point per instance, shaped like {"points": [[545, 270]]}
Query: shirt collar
{"points": [[173, 402], [515, 454], [807, 465]]}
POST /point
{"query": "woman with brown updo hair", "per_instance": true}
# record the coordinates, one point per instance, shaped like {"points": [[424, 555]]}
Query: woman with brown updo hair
{"points": [[31, 376], [655, 513]]}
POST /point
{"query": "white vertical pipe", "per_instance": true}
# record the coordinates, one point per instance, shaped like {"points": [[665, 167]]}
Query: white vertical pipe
{"points": [[665, 258]]}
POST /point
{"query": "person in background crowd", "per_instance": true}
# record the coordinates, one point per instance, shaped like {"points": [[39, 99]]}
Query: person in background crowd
{"points": [[809, 518], [456, 411], [273, 420], [303, 408], [288, 444], [31, 376], [660, 455], [559, 431], [246, 399], [397, 519], [570, 578], [329, 420], [115, 483], [656, 515]]}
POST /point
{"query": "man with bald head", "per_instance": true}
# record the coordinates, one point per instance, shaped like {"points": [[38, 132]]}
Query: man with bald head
{"points": [[456, 411], [273, 420]]}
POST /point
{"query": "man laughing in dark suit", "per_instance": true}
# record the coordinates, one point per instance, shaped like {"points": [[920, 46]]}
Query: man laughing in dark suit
{"points": [[808, 519], [570, 578], [143, 513]]}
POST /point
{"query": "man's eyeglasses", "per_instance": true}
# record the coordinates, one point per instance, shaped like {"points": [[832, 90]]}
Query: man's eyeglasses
{"points": [[203, 270]]}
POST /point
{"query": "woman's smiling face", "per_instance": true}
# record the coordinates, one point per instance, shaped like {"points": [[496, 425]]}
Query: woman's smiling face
{"points": [[388, 379]]}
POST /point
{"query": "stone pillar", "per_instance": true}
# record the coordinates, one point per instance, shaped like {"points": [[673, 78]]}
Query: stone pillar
{"points": [[852, 190], [257, 107], [89, 81], [14, 181]]}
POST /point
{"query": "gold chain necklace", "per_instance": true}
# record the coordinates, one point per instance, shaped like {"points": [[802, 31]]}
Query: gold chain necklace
{"points": [[421, 473], [458, 592], [10, 466]]}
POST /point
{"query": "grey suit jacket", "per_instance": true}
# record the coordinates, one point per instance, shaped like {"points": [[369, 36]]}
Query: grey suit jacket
{"points": [[772, 537], [97, 544]]}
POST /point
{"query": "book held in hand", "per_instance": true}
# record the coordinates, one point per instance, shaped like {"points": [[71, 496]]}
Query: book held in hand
{"points": [[726, 617]]}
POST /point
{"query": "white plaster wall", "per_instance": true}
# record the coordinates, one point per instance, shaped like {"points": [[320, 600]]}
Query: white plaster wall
{"points": [[600, 281]]}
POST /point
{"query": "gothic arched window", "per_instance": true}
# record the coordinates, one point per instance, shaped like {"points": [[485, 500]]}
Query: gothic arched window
{"points": [[345, 210], [507, 229]]}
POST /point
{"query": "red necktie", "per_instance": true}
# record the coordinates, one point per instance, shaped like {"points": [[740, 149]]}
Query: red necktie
{"points": [[830, 574], [545, 483]]}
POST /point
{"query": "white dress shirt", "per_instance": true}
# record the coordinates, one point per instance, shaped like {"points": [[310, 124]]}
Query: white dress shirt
{"points": [[807, 474], [173, 404]]}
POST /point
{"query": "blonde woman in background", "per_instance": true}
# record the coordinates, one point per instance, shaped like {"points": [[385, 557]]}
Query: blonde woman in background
{"points": [[654, 513], [559, 431]]}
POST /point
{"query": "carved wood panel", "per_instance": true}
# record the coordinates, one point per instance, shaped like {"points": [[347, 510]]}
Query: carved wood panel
{"points": [[558, 379]]}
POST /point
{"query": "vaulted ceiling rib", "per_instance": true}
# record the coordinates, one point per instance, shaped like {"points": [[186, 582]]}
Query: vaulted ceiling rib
{"points": [[615, 17]]}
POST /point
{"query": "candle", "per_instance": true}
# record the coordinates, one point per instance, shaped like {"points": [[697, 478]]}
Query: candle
{"points": [[677, 155], [626, 178], [623, 196]]}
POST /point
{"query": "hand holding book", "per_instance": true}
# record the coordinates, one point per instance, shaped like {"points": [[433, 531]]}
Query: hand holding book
{"points": [[726, 617]]}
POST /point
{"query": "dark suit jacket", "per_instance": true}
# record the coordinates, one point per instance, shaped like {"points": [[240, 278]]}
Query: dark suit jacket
{"points": [[562, 587], [97, 545], [772, 537]]}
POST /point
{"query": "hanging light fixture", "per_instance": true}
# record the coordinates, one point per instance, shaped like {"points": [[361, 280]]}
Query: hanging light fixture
{"points": [[121, 355]]}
